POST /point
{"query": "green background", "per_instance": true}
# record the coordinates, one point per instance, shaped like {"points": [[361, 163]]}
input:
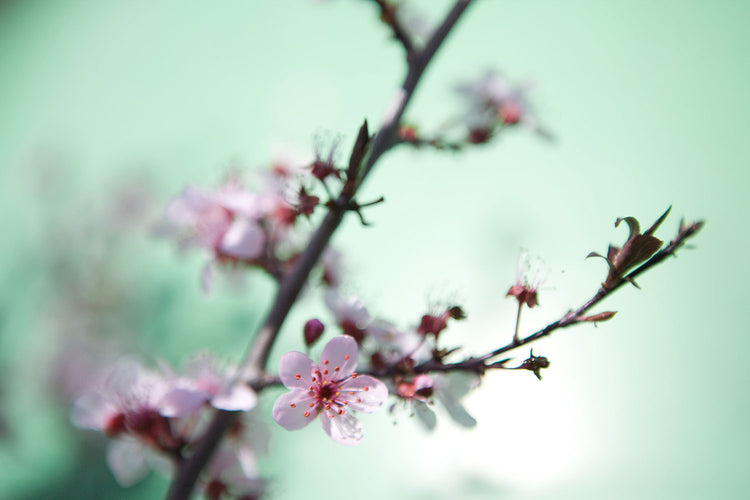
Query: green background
{"points": [[648, 101]]}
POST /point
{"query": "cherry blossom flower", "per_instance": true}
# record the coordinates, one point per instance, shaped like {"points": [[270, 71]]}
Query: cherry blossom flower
{"points": [[203, 384], [420, 394], [331, 389], [527, 284], [350, 313], [128, 407], [493, 101]]}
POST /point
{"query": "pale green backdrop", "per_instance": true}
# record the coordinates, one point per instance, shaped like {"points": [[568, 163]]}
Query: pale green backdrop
{"points": [[649, 105]]}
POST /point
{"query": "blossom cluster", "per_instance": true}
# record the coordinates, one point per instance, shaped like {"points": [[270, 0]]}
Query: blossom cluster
{"points": [[154, 418]]}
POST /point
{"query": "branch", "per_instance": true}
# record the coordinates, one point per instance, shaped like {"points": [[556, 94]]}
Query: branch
{"points": [[253, 371], [388, 16]]}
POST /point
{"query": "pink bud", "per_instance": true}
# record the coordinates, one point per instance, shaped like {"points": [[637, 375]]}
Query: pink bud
{"points": [[313, 330]]}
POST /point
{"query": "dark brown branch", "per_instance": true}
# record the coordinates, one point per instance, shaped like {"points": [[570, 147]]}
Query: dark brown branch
{"points": [[253, 371], [388, 16]]}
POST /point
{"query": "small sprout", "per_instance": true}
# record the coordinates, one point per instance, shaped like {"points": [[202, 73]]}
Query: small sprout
{"points": [[596, 318], [637, 249]]}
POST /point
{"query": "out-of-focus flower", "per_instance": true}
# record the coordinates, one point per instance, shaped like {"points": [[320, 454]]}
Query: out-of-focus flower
{"points": [[492, 102], [420, 393], [331, 260], [350, 313], [203, 384], [330, 389], [128, 407]]}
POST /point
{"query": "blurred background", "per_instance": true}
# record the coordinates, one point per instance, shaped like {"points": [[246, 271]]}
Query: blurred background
{"points": [[109, 109]]}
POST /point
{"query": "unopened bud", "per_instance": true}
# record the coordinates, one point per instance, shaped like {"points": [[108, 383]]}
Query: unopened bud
{"points": [[313, 330]]}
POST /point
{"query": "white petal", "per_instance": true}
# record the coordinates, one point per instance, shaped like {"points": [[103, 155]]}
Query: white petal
{"points": [[295, 363], [91, 410], [344, 428], [181, 402], [127, 461], [340, 352], [364, 393], [239, 397], [293, 418], [425, 415], [244, 240]]}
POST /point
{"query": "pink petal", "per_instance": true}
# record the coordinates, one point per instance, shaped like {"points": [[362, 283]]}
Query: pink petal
{"points": [[291, 417], [91, 411], [244, 240], [237, 398], [425, 415], [291, 365], [181, 402], [340, 352], [127, 461], [344, 429], [369, 393]]}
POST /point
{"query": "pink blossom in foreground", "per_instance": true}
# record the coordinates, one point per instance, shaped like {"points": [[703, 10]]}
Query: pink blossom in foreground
{"points": [[331, 389]]}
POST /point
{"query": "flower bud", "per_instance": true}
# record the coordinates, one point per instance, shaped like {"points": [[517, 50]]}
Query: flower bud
{"points": [[313, 330]]}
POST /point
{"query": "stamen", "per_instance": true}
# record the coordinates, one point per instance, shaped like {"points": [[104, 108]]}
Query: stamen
{"points": [[346, 357]]}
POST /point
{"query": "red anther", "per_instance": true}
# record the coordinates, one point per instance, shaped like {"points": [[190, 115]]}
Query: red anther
{"points": [[325, 372], [325, 361], [359, 400], [312, 404], [346, 357], [336, 369], [306, 414], [293, 405], [341, 412], [366, 388], [297, 376], [354, 375]]}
